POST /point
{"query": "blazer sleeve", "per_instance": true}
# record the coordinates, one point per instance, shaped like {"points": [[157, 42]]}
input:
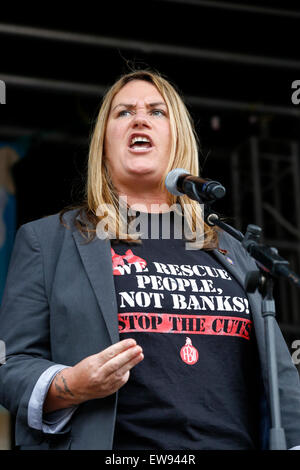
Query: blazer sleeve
{"points": [[289, 391], [54, 421], [24, 325]]}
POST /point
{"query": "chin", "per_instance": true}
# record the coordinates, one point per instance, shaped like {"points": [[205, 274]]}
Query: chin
{"points": [[141, 170], [147, 177]]}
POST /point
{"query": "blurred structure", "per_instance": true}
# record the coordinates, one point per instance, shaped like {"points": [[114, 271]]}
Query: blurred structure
{"points": [[265, 173]]}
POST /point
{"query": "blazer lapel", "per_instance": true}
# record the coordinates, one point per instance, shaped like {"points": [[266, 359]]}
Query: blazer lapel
{"points": [[96, 258], [229, 259], [231, 264]]}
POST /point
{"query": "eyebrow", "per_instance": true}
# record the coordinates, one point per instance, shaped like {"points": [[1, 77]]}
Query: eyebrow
{"points": [[150, 105]]}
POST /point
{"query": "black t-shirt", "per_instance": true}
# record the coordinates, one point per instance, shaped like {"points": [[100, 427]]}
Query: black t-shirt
{"points": [[197, 386]]}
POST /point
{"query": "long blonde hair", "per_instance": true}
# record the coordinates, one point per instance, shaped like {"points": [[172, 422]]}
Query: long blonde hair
{"points": [[99, 191]]}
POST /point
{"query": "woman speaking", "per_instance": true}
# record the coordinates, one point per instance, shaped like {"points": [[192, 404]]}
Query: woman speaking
{"points": [[121, 334]]}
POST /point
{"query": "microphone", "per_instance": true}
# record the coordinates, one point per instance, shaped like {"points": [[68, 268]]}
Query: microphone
{"points": [[179, 182]]}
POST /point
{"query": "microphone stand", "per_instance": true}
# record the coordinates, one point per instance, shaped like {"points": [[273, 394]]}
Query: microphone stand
{"points": [[270, 265]]}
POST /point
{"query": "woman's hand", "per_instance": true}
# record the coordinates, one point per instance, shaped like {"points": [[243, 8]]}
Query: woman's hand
{"points": [[96, 376]]}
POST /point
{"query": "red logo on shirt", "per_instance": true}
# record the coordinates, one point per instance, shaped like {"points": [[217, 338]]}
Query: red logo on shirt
{"points": [[189, 353], [130, 257]]}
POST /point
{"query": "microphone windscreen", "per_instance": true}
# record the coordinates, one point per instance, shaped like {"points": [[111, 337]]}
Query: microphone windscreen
{"points": [[172, 179]]}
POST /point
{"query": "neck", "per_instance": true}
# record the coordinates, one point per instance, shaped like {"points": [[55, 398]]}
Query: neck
{"points": [[147, 202]]}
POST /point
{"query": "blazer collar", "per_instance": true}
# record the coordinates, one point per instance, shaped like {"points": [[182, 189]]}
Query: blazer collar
{"points": [[229, 260], [96, 258]]}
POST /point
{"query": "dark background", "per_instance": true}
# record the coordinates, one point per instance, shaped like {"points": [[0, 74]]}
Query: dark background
{"points": [[234, 63]]}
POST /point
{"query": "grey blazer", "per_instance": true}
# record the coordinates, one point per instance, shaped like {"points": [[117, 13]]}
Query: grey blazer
{"points": [[60, 306]]}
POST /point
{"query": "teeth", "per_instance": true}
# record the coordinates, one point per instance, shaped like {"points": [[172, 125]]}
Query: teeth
{"points": [[139, 139]]}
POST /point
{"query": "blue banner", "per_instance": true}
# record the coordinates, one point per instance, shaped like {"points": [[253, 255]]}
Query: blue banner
{"points": [[10, 153]]}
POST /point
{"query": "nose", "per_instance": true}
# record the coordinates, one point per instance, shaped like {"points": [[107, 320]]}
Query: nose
{"points": [[141, 120]]}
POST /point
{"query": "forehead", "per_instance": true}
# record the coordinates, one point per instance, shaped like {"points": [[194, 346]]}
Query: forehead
{"points": [[137, 90]]}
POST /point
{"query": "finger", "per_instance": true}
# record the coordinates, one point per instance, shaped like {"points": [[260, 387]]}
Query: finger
{"points": [[119, 373], [115, 349], [120, 383], [116, 363]]}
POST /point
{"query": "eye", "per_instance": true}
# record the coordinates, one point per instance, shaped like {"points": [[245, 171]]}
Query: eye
{"points": [[158, 112], [124, 112]]}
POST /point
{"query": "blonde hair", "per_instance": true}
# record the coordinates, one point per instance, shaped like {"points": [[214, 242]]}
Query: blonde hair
{"points": [[184, 154]]}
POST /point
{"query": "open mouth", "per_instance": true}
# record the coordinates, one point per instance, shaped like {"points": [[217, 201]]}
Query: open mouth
{"points": [[140, 143]]}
